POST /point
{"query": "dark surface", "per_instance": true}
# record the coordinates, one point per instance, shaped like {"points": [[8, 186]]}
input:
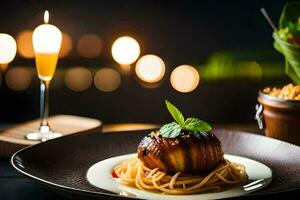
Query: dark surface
{"points": [[16, 186], [78, 152]]}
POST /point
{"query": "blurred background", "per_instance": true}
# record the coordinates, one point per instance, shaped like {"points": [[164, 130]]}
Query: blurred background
{"points": [[208, 57]]}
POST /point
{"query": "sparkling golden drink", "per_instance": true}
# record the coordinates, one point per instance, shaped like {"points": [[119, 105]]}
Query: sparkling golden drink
{"points": [[46, 65]]}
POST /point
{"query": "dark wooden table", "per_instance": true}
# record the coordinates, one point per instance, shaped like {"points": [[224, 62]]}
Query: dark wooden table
{"points": [[15, 186]]}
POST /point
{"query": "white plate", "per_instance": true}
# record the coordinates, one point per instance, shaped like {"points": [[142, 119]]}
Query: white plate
{"points": [[99, 175]]}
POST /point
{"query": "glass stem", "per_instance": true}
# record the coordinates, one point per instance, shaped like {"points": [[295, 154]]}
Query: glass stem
{"points": [[44, 106]]}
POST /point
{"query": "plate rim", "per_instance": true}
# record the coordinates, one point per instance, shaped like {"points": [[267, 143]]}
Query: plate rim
{"points": [[112, 195], [55, 185]]}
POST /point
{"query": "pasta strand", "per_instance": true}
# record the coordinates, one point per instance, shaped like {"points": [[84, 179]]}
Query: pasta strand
{"points": [[134, 173]]}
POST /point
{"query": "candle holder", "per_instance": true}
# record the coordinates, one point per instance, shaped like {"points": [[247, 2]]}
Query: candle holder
{"points": [[46, 40]]}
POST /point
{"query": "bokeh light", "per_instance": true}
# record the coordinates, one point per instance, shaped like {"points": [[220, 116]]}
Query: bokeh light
{"points": [[78, 79], [185, 78], [8, 48], [249, 69], [150, 68], [24, 42], [125, 50], [89, 45], [66, 45], [107, 79], [19, 78]]}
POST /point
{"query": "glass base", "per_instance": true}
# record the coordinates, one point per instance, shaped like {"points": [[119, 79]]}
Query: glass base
{"points": [[43, 135]]}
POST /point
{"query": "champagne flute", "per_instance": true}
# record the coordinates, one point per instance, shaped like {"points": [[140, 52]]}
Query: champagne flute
{"points": [[46, 40]]}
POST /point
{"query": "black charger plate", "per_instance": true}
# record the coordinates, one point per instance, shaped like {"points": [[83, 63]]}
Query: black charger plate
{"points": [[61, 164]]}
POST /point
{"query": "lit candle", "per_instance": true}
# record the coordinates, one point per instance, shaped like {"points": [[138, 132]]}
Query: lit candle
{"points": [[46, 40], [8, 49]]}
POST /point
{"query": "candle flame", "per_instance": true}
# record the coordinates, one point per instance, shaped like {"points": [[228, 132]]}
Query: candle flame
{"points": [[46, 17]]}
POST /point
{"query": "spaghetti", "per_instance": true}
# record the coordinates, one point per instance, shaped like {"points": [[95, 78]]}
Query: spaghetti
{"points": [[134, 173]]}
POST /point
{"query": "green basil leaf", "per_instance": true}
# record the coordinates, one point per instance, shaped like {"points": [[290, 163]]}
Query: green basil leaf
{"points": [[197, 125], [290, 18], [176, 114], [171, 130]]}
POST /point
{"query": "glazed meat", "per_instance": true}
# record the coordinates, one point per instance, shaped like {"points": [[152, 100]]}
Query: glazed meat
{"points": [[187, 153]]}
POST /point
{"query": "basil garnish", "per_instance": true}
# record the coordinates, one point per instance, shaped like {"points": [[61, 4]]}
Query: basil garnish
{"points": [[173, 129]]}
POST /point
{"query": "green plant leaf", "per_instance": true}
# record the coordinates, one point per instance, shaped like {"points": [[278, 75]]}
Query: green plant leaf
{"points": [[291, 72], [171, 130], [292, 61], [289, 18], [176, 114], [197, 125]]}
